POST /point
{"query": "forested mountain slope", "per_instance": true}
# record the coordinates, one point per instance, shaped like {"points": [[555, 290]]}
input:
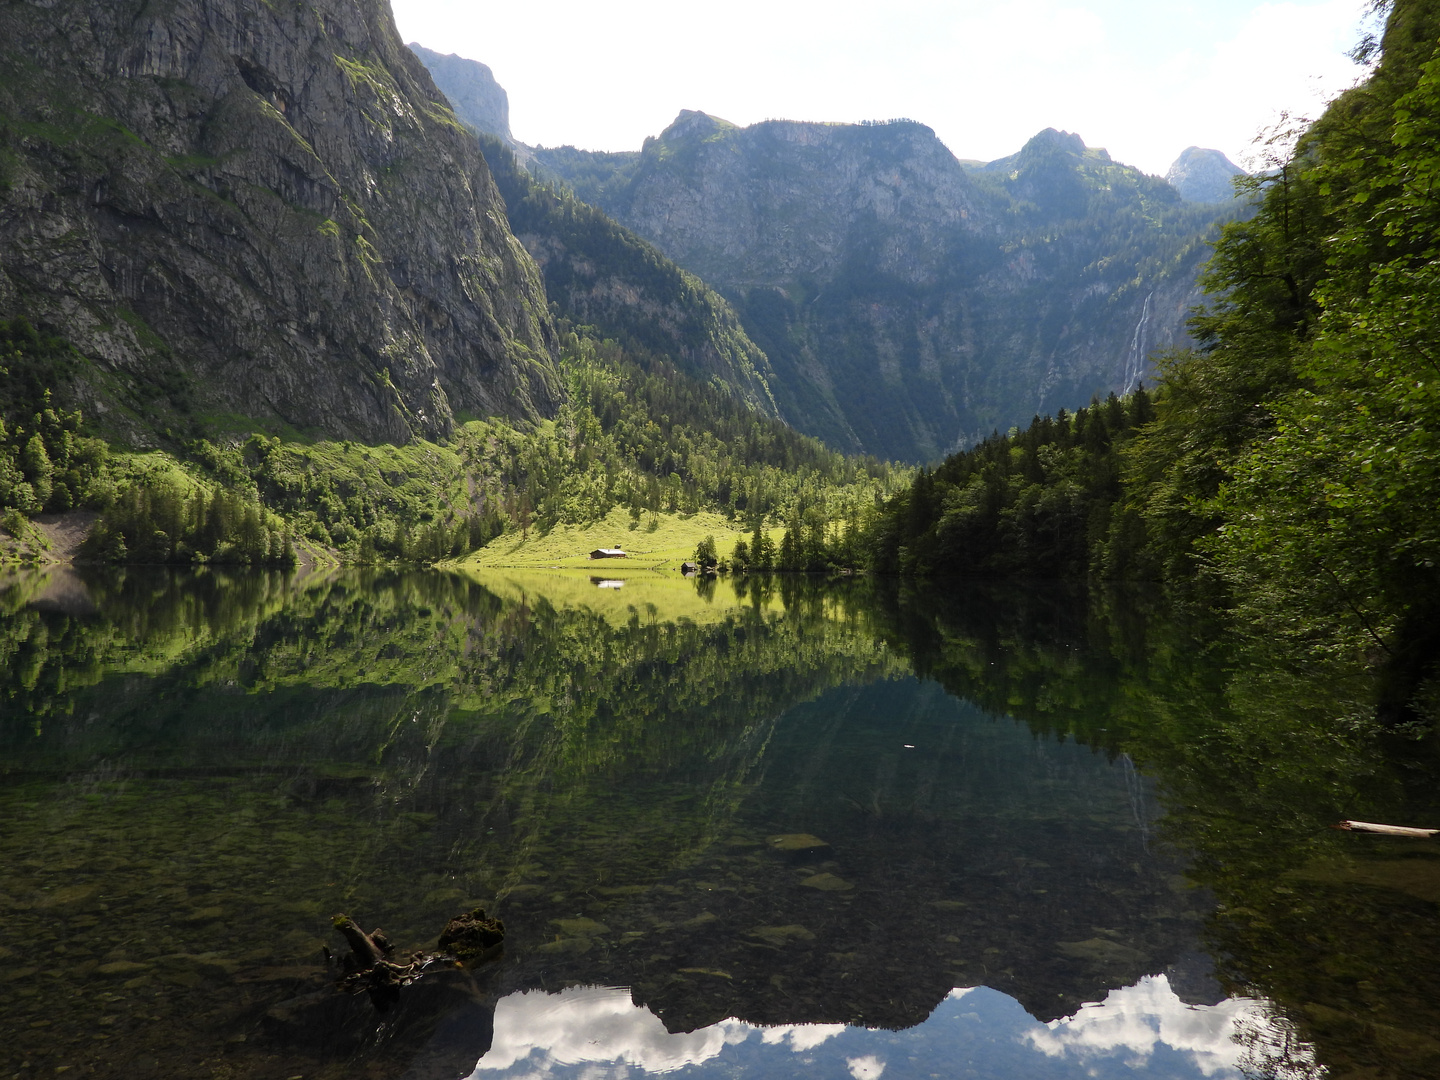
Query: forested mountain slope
{"points": [[247, 215], [909, 305], [602, 275]]}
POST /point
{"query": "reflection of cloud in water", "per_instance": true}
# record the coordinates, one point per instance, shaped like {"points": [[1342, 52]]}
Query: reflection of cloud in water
{"points": [[801, 1037], [597, 1033], [600, 1024], [1138, 1020]]}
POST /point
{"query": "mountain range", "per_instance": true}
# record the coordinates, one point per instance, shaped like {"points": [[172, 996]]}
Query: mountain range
{"points": [[907, 303], [253, 219]]}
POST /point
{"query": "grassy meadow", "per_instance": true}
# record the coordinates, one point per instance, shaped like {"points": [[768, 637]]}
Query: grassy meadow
{"points": [[656, 541]]}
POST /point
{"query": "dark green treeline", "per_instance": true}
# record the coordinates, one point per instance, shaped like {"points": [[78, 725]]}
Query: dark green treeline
{"points": [[1039, 502], [1288, 467]]}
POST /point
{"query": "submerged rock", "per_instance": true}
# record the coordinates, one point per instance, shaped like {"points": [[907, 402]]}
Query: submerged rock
{"points": [[782, 935], [827, 883], [798, 845], [1099, 950], [571, 946], [581, 927]]}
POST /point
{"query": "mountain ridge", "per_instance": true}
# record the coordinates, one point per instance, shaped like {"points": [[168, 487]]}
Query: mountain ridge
{"points": [[908, 303]]}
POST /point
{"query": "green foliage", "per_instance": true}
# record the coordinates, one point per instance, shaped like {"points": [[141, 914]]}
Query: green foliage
{"points": [[635, 432], [1291, 467], [372, 503], [705, 555], [649, 438], [1032, 503], [598, 178], [1321, 514], [162, 516], [45, 461]]}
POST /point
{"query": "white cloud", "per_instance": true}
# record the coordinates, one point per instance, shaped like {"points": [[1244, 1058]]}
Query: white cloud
{"points": [[1143, 79], [801, 1037], [597, 1033]]}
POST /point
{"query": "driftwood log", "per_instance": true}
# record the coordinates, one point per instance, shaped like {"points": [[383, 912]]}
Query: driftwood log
{"points": [[1386, 830], [467, 940]]}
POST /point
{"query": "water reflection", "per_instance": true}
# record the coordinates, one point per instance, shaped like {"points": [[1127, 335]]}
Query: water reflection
{"points": [[790, 818], [1145, 1029]]}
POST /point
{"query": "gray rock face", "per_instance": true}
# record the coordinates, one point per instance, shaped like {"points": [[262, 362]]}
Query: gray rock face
{"points": [[908, 305], [1204, 176], [762, 204], [470, 87], [257, 214]]}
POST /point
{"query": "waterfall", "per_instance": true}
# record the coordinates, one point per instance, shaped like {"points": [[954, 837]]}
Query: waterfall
{"points": [[1135, 360]]}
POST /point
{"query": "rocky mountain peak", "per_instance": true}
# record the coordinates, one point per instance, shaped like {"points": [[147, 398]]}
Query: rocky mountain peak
{"points": [[908, 304], [1204, 176], [1051, 141], [691, 124]]}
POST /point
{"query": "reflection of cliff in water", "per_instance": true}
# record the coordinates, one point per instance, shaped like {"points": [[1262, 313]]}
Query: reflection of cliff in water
{"points": [[239, 757]]}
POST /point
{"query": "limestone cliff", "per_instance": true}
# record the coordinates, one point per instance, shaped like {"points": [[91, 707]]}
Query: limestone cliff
{"points": [[1204, 176], [908, 304], [471, 89], [256, 214]]}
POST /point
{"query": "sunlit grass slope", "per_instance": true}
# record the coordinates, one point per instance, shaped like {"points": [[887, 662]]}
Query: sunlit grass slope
{"points": [[660, 541]]}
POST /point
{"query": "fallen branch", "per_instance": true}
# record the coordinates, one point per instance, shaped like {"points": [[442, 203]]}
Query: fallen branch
{"points": [[467, 940], [1386, 830]]}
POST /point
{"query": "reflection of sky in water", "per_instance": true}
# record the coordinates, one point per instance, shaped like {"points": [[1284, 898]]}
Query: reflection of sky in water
{"points": [[596, 1033]]}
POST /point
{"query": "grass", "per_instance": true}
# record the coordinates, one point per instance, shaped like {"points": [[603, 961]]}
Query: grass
{"points": [[657, 542], [649, 595]]}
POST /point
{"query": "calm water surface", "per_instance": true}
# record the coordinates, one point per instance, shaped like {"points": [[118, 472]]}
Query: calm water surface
{"points": [[758, 829]]}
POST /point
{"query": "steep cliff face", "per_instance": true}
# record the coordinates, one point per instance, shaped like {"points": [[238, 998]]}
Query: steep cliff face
{"points": [[471, 89], [907, 304], [256, 214], [1204, 176], [762, 204]]}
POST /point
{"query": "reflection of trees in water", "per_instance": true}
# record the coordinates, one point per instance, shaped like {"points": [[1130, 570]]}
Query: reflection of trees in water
{"points": [[405, 698], [1271, 1048], [1255, 756]]}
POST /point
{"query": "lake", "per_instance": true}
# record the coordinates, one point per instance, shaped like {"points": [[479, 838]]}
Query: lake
{"points": [[761, 827]]}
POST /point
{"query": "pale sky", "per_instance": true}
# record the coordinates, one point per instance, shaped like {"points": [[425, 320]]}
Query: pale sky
{"points": [[1142, 78]]}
